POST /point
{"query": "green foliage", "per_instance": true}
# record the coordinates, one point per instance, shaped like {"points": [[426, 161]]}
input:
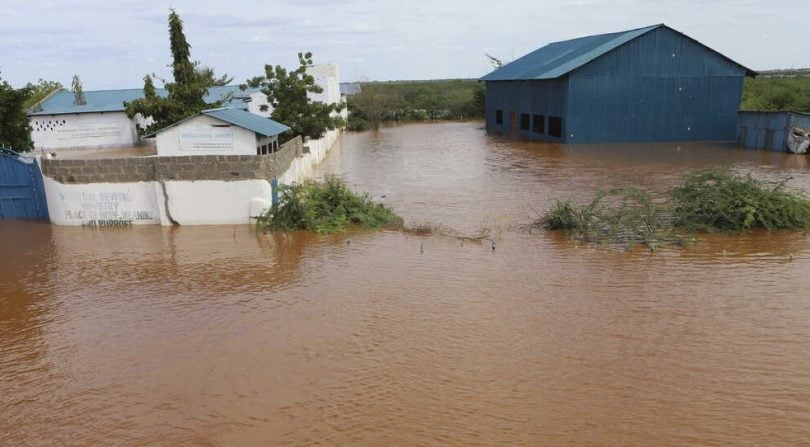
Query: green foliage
{"points": [[415, 101], [562, 215], [78, 91], [622, 215], [777, 94], [186, 93], [711, 200], [15, 131], [40, 91], [149, 91], [326, 207], [287, 92], [719, 199], [209, 77]]}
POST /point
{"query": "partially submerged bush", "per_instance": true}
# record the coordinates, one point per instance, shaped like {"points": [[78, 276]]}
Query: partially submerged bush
{"points": [[326, 207], [718, 199], [562, 216], [712, 200], [623, 215]]}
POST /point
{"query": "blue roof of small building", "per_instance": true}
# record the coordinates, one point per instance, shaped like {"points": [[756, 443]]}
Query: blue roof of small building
{"points": [[61, 102], [246, 120], [240, 118], [560, 58]]}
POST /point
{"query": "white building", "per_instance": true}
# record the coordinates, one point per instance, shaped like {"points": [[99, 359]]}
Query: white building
{"points": [[221, 131], [58, 123], [241, 128]]}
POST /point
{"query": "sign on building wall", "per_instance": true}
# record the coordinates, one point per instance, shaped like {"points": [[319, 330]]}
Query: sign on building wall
{"points": [[91, 130], [206, 138], [102, 205]]}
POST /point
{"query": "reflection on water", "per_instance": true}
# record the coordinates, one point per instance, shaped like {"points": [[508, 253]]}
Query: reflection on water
{"points": [[217, 336]]}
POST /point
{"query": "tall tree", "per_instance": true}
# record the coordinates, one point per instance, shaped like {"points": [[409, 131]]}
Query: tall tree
{"points": [[287, 92], [78, 91], [15, 130], [186, 94]]}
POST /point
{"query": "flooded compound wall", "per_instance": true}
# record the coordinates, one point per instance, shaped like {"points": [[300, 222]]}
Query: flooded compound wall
{"points": [[313, 152], [206, 202], [185, 190]]}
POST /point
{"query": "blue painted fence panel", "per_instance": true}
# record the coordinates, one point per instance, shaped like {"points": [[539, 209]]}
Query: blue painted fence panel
{"points": [[22, 193], [768, 130]]}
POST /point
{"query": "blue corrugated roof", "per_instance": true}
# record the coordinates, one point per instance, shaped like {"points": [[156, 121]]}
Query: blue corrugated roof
{"points": [[559, 58], [246, 120], [61, 102]]}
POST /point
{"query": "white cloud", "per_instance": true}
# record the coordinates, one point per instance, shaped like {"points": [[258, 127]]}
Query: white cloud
{"points": [[113, 43]]}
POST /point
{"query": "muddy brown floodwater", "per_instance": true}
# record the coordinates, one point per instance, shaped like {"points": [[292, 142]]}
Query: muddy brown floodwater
{"points": [[215, 336]]}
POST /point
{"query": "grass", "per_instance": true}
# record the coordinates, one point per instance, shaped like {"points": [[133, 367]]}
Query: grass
{"points": [[710, 200], [326, 207]]}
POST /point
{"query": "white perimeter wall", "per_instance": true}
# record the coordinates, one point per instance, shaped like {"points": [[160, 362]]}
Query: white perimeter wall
{"points": [[202, 136], [85, 130], [202, 202], [210, 202]]}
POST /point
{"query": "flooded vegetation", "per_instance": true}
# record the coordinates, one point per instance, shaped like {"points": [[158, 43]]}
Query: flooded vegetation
{"points": [[709, 200], [324, 207], [222, 336]]}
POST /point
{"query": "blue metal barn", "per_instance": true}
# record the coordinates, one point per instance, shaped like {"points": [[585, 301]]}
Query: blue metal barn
{"points": [[647, 84]]}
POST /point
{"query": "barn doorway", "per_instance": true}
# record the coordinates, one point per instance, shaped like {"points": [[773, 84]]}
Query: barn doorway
{"points": [[513, 124]]}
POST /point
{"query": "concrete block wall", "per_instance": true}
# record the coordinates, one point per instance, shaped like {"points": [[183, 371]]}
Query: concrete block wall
{"points": [[189, 168]]}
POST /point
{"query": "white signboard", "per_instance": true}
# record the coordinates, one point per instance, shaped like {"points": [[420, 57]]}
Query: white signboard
{"points": [[206, 139], [102, 204]]}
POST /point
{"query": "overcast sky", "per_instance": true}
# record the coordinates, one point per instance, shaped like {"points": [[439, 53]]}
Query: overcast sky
{"points": [[113, 44]]}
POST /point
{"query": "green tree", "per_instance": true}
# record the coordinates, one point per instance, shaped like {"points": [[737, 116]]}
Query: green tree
{"points": [[15, 130], [186, 94], [40, 91], [287, 92], [371, 107], [78, 91], [208, 75]]}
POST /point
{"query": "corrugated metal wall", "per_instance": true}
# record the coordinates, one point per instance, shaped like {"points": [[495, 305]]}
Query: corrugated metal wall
{"points": [[661, 86], [768, 130], [546, 98], [22, 193]]}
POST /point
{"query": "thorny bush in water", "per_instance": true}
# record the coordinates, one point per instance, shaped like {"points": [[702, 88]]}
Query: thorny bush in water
{"points": [[326, 207], [718, 199], [622, 215], [711, 200]]}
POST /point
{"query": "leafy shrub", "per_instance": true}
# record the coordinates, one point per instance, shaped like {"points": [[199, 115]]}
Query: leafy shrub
{"points": [[561, 216], [718, 199], [326, 207], [622, 215], [711, 200]]}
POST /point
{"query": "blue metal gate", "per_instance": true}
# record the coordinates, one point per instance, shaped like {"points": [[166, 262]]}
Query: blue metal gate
{"points": [[22, 193]]}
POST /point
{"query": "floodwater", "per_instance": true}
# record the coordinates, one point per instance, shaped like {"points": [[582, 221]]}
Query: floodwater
{"points": [[216, 336]]}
